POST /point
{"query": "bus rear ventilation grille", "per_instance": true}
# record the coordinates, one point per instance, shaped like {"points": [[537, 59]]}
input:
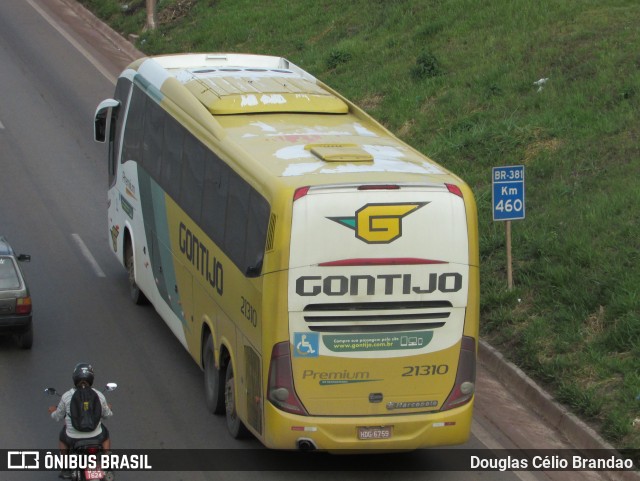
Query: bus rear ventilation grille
{"points": [[271, 231], [371, 306]]}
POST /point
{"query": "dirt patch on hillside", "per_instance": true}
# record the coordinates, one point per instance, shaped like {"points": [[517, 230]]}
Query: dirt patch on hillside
{"points": [[178, 10]]}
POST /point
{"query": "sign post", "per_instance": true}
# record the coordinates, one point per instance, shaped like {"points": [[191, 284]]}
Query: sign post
{"points": [[508, 203]]}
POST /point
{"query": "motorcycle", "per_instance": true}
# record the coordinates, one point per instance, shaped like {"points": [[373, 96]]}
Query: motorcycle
{"points": [[87, 447]]}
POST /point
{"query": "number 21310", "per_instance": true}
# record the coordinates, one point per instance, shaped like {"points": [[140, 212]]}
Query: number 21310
{"points": [[426, 370]]}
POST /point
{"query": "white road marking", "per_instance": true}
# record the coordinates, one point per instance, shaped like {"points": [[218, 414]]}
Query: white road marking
{"points": [[88, 256], [1, 126], [72, 41]]}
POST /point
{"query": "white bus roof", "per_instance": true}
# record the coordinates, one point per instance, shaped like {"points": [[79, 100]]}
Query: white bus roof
{"points": [[287, 120]]}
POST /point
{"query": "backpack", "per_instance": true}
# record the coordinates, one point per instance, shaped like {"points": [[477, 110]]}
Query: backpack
{"points": [[85, 409]]}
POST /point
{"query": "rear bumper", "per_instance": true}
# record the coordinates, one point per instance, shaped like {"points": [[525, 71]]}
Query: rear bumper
{"points": [[15, 323], [409, 431]]}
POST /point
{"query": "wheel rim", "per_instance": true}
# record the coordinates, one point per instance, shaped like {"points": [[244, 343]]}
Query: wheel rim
{"points": [[230, 402]]}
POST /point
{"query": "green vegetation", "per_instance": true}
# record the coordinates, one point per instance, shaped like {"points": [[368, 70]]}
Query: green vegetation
{"points": [[455, 79]]}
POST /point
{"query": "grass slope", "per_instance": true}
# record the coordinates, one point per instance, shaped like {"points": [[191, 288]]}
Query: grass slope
{"points": [[456, 80]]}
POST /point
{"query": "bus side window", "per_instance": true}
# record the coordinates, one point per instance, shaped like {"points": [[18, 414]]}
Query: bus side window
{"points": [[193, 159], [171, 170], [133, 134], [152, 147], [235, 229], [112, 151], [214, 195], [256, 234]]}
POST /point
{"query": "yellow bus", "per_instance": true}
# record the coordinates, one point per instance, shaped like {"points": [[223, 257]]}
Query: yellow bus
{"points": [[322, 273]]}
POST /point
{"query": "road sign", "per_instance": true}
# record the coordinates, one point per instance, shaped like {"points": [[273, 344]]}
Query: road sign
{"points": [[508, 192]]}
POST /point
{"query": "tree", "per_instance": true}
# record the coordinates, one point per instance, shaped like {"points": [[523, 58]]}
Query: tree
{"points": [[151, 15]]}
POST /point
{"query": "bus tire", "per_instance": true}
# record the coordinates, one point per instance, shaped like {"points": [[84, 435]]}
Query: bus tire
{"points": [[234, 424], [134, 291], [213, 381]]}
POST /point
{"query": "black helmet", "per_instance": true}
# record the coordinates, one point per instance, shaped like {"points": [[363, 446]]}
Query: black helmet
{"points": [[83, 372]]}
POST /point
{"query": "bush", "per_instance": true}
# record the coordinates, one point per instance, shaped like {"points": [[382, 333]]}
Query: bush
{"points": [[337, 57], [427, 66]]}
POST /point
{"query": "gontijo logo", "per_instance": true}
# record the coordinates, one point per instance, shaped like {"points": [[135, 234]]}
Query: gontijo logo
{"points": [[379, 223]]}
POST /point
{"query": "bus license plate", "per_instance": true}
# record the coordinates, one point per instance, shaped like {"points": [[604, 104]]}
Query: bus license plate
{"points": [[93, 474], [374, 432]]}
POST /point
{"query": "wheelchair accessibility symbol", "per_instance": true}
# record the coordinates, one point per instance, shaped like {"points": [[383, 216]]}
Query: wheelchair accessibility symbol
{"points": [[305, 344]]}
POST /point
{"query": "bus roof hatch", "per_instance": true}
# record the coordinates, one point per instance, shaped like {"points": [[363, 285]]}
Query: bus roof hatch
{"points": [[248, 91]]}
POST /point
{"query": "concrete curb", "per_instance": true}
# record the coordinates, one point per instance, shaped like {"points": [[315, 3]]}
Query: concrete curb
{"points": [[118, 41], [579, 434]]}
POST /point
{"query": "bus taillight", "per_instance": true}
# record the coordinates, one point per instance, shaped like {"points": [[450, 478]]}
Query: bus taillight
{"points": [[454, 189], [300, 192], [465, 378], [280, 389]]}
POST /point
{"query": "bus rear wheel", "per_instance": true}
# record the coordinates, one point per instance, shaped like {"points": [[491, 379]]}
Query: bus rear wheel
{"points": [[213, 381], [235, 426]]}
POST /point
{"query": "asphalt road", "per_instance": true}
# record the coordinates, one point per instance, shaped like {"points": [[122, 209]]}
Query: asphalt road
{"points": [[54, 69]]}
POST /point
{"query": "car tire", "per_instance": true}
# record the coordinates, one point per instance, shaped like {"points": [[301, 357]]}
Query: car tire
{"points": [[25, 339], [213, 380], [234, 424]]}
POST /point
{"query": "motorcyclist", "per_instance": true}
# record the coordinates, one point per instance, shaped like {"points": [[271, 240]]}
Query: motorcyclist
{"points": [[83, 376]]}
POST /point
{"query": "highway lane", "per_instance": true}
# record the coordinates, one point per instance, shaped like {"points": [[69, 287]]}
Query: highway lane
{"points": [[52, 193], [53, 206]]}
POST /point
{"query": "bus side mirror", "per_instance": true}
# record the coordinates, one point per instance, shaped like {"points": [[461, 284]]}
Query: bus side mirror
{"points": [[103, 113]]}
